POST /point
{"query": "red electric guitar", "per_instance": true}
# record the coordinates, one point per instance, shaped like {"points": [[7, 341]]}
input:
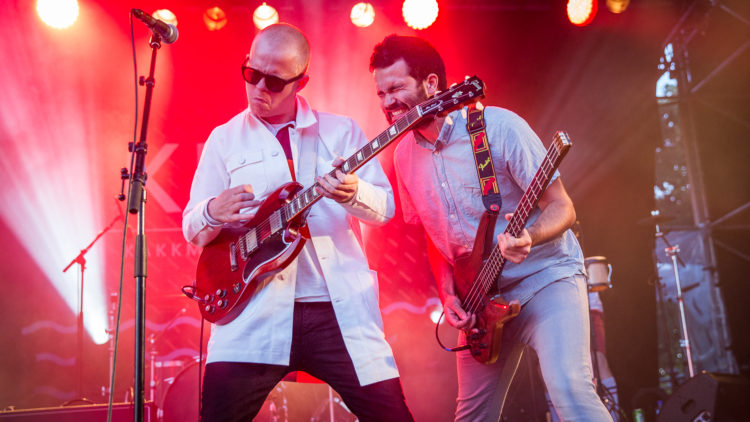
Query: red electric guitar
{"points": [[232, 266], [475, 279]]}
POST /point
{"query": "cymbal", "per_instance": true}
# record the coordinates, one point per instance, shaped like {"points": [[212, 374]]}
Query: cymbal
{"points": [[655, 219]]}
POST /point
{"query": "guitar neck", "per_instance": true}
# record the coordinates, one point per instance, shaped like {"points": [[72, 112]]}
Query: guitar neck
{"points": [[493, 267], [531, 197], [310, 196]]}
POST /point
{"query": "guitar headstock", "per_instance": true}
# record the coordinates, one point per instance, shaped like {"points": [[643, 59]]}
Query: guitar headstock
{"points": [[562, 144], [468, 91]]}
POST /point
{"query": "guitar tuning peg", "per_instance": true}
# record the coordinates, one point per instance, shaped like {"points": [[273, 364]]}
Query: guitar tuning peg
{"points": [[448, 120], [463, 112], [480, 106], [452, 85], [466, 78]]}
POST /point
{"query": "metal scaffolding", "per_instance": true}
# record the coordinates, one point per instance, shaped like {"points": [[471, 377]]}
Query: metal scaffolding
{"points": [[685, 243]]}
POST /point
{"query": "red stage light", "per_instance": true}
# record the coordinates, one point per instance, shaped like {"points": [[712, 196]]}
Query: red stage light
{"points": [[363, 15], [420, 14], [57, 13], [264, 16], [215, 18], [581, 12], [165, 15], [617, 6]]}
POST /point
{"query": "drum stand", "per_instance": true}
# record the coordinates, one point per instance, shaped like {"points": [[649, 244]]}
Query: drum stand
{"points": [[672, 252], [601, 391]]}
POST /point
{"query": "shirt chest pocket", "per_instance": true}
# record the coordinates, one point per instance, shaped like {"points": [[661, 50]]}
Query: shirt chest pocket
{"points": [[247, 167]]}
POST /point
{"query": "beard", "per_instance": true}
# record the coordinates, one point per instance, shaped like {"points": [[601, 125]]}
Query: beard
{"points": [[398, 108]]}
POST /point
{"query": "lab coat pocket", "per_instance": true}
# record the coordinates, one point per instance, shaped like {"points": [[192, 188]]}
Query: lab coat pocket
{"points": [[247, 167]]}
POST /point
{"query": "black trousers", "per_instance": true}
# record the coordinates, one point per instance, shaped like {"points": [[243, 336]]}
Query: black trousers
{"points": [[236, 391]]}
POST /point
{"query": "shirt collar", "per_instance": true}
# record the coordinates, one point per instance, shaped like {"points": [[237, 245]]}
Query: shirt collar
{"points": [[444, 137]]}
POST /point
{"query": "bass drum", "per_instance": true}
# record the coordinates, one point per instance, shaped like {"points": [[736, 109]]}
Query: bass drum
{"points": [[287, 402], [180, 402]]}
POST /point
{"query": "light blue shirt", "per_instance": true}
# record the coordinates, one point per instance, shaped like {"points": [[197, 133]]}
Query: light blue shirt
{"points": [[439, 187]]}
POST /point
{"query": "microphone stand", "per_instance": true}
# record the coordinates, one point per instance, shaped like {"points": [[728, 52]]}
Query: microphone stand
{"points": [[81, 260], [136, 201], [672, 253]]}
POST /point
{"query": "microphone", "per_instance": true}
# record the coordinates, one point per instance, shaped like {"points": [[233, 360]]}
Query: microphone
{"points": [[166, 31]]}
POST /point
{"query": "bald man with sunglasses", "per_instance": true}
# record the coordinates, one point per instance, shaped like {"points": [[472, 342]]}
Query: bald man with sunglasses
{"points": [[320, 314]]}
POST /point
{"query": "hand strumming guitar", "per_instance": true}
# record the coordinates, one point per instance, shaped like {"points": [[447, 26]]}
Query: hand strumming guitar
{"points": [[226, 207], [455, 314]]}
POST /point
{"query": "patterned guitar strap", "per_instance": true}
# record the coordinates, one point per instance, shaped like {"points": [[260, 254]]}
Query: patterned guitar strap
{"points": [[491, 197]]}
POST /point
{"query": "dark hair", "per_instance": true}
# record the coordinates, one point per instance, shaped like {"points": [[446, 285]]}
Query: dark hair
{"points": [[419, 55]]}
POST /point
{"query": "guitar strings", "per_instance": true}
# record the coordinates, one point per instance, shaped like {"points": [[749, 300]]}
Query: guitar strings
{"points": [[489, 272]]}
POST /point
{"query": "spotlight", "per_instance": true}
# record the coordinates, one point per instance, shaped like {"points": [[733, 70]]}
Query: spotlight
{"points": [[420, 14], [581, 12], [165, 15], [435, 314], [215, 18], [58, 14], [264, 16], [617, 6], [363, 15]]}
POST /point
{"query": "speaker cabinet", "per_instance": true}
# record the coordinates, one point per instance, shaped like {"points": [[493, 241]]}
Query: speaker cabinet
{"points": [[121, 412], [709, 397]]}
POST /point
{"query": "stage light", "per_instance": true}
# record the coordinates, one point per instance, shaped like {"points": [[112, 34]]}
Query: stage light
{"points": [[53, 234], [264, 16], [420, 14], [58, 14], [617, 6], [363, 15], [165, 15], [581, 12], [435, 314], [215, 18]]}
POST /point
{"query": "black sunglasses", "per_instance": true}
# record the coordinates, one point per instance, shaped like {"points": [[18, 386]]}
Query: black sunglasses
{"points": [[273, 83]]}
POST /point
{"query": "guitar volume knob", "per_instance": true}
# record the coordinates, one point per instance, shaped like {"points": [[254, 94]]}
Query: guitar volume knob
{"points": [[209, 308], [221, 292]]}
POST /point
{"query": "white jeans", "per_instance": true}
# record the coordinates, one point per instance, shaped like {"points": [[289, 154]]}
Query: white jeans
{"points": [[555, 323]]}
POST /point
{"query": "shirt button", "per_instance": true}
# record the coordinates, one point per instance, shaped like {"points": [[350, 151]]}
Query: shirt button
{"points": [[242, 161], [453, 216], [442, 184], [280, 276], [435, 152], [275, 153]]}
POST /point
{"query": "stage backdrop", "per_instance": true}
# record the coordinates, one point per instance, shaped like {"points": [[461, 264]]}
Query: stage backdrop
{"points": [[68, 113]]}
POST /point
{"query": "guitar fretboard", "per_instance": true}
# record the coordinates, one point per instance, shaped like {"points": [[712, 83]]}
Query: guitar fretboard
{"points": [[493, 267], [309, 196], [470, 90]]}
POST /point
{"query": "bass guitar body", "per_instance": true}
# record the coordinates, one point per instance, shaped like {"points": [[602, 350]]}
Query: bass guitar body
{"points": [[492, 311], [233, 266], [476, 273]]}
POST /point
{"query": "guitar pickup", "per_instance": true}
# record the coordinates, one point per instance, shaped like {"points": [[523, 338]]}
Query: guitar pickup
{"points": [[233, 257]]}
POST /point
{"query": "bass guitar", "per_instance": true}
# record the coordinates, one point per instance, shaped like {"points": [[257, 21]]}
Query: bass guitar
{"points": [[477, 272], [233, 266]]}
